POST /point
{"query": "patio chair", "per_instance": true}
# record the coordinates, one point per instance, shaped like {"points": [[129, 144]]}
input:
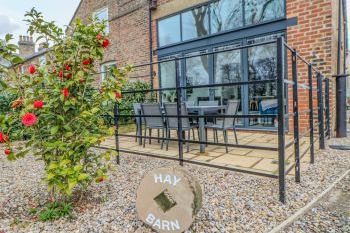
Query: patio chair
{"points": [[227, 123], [157, 122], [172, 122]]}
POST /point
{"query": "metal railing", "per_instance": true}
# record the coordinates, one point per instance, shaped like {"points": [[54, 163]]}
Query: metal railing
{"points": [[283, 114]]}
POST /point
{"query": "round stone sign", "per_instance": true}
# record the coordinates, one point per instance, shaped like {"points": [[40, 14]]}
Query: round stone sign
{"points": [[168, 199]]}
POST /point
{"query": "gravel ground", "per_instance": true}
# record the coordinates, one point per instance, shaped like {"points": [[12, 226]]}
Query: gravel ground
{"points": [[233, 202], [331, 214]]}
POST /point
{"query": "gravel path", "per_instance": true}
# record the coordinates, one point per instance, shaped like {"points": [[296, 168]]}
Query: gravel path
{"points": [[233, 202], [331, 214]]}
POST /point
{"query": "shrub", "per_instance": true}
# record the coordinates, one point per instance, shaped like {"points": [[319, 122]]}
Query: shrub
{"points": [[53, 106], [126, 104]]}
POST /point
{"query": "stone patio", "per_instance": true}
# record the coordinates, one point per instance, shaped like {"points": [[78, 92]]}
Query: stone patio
{"points": [[249, 159]]}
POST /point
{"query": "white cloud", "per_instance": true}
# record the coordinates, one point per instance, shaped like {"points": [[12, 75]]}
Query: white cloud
{"points": [[7, 25]]}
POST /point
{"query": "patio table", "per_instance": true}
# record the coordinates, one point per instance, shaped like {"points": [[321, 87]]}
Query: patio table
{"points": [[201, 111]]}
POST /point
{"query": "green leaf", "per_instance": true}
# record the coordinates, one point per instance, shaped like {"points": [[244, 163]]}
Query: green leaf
{"points": [[64, 162], [54, 130], [83, 176], [53, 166], [8, 37], [16, 60], [78, 167], [50, 176]]}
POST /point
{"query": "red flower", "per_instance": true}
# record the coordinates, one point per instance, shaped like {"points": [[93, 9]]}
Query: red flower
{"points": [[31, 69], [118, 95], [7, 151], [3, 138], [29, 119], [67, 67], [60, 74], [65, 92], [87, 62], [69, 76], [99, 37], [105, 43], [38, 104]]}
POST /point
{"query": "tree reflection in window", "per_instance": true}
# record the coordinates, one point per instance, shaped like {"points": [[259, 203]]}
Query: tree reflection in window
{"points": [[258, 11], [195, 23], [226, 15]]}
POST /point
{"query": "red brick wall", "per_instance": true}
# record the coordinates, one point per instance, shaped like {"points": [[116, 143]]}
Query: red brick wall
{"points": [[128, 31], [313, 38]]}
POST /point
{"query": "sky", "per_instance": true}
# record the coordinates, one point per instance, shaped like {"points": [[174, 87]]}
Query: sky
{"points": [[12, 14]]}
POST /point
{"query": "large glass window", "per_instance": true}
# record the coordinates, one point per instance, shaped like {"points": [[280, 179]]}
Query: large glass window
{"points": [[226, 15], [217, 16], [195, 23], [262, 97], [197, 73], [258, 11], [102, 15], [106, 68], [228, 69], [169, 30]]}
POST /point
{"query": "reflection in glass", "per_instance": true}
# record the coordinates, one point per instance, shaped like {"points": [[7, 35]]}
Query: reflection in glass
{"points": [[228, 70], [258, 11], [226, 15], [262, 97], [168, 80], [195, 23], [169, 30], [197, 73]]}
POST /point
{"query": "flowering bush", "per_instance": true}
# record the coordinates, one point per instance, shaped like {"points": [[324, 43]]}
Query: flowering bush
{"points": [[58, 106]]}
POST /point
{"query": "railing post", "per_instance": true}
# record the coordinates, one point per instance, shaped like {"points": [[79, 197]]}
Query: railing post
{"points": [[320, 111], [179, 119], [311, 116], [328, 123], [281, 119], [296, 116], [116, 131]]}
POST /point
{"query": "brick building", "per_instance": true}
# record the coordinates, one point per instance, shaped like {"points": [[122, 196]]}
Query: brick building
{"points": [[143, 31], [26, 49]]}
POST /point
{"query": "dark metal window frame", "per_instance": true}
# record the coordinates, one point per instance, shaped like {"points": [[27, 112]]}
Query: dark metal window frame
{"points": [[244, 70], [245, 26]]}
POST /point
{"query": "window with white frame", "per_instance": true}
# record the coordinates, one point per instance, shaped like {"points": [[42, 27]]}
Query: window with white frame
{"points": [[102, 14], [42, 60], [105, 68]]}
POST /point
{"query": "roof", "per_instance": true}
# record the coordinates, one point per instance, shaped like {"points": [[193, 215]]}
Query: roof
{"points": [[75, 12], [36, 54]]}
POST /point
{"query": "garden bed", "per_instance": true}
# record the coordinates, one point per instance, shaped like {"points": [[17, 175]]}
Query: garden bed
{"points": [[233, 202]]}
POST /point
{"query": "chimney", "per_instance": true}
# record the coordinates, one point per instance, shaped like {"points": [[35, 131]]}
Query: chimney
{"points": [[26, 46]]}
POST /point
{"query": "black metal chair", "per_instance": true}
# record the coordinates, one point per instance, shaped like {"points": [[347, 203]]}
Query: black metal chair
{"points": [[172, 122], [227, 123], [156, 122]]}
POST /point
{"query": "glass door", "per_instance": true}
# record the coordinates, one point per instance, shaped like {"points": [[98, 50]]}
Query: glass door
{"points": [[262, 97], [197, 72], [228, 69]]}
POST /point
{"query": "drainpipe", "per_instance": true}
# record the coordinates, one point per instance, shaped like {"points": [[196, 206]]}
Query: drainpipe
{"points": [[346, 42], [341, 130], [152, 6]]}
